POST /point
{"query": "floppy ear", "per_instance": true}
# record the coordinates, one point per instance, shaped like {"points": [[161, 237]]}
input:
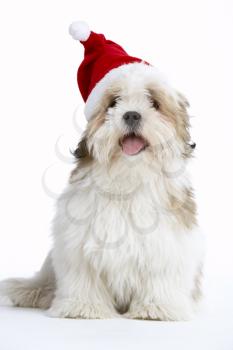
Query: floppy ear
{"points": [[81, 150], [82, 156], [182, 100], [184, 105]]}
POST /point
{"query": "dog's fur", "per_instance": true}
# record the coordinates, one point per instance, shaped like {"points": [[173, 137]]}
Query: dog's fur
{"points": [[126, 240]]}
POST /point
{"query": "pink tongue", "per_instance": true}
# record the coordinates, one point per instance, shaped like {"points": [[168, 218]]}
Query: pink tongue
{"points": [[132, 145]]}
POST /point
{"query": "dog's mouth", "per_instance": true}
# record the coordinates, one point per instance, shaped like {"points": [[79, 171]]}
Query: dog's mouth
{"points": [[133, 144]]}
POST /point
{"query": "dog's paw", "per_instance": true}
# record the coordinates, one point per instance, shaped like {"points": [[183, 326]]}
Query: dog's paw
{"points": [[161, 312], [174, 313], [143, 312], [5, 301], [67, 308]]}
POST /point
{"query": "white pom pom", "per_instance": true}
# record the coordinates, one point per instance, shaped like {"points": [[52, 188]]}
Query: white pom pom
{"points": [[79, 31]]}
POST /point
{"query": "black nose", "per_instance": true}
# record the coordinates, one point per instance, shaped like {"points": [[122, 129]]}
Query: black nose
{"points": [[132, 118]]}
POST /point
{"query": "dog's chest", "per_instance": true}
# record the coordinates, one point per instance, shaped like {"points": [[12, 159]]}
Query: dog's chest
{"points": [[124, 229], [123, 235], [120, 221]]}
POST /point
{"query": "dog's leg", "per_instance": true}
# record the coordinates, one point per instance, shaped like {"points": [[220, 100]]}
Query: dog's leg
{"points": [[80, 291], [162, 298], [37, 291]]}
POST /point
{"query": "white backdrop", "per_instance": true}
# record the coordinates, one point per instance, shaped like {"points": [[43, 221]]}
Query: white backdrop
{"points": [[41, 114]]}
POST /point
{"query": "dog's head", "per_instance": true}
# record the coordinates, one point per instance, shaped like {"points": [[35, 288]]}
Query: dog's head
{"points": [[139, 115]]}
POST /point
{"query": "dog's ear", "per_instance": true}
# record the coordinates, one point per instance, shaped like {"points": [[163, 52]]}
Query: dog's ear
{"points": [[182, 100], [82, 150], [184, 105], [82, 156]]}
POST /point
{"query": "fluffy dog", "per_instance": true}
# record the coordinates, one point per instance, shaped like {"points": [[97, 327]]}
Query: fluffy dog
{"points": [[126, 239]]}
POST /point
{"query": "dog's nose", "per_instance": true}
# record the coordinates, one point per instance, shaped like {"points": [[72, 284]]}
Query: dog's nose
{"points": [[132, 118]]}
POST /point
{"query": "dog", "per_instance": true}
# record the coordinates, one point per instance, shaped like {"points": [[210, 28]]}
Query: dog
{"points": [[126, 241]]}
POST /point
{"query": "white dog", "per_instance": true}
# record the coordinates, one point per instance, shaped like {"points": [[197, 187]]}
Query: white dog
{"points": [[126, 239]]}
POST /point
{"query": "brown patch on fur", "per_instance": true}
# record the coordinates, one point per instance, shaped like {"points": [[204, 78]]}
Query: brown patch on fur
{"points": [[82, 154], [99, 117], [184, 103], [95, 123], [180, 204], [82, 150], [83, 157], [184, 209], [176, 112]]}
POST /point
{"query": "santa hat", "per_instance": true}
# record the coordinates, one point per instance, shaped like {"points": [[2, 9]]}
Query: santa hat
{"points": [[103, 62]]}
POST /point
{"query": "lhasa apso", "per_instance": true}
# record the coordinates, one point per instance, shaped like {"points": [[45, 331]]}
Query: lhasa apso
{"points": [[126, 239]]}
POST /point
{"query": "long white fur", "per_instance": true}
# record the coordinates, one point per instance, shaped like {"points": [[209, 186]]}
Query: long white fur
{"points": [[116, 247]]}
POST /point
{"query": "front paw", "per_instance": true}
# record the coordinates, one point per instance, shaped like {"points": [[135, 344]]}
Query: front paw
{"points": [[70, 308], [142, 311], [161, 312], [5, 301]]}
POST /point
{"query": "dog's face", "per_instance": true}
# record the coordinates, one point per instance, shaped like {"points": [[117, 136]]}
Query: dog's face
{"points": [[138, 117]]}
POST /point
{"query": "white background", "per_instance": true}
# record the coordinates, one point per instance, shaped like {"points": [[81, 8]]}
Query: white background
{"points": [[191, 41]]}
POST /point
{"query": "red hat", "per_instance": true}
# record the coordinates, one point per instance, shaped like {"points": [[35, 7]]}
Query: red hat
{"points": [[102, 63]]}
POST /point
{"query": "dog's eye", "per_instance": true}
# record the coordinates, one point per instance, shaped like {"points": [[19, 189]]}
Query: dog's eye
{"points": [[113, 102], [155, 104]]}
